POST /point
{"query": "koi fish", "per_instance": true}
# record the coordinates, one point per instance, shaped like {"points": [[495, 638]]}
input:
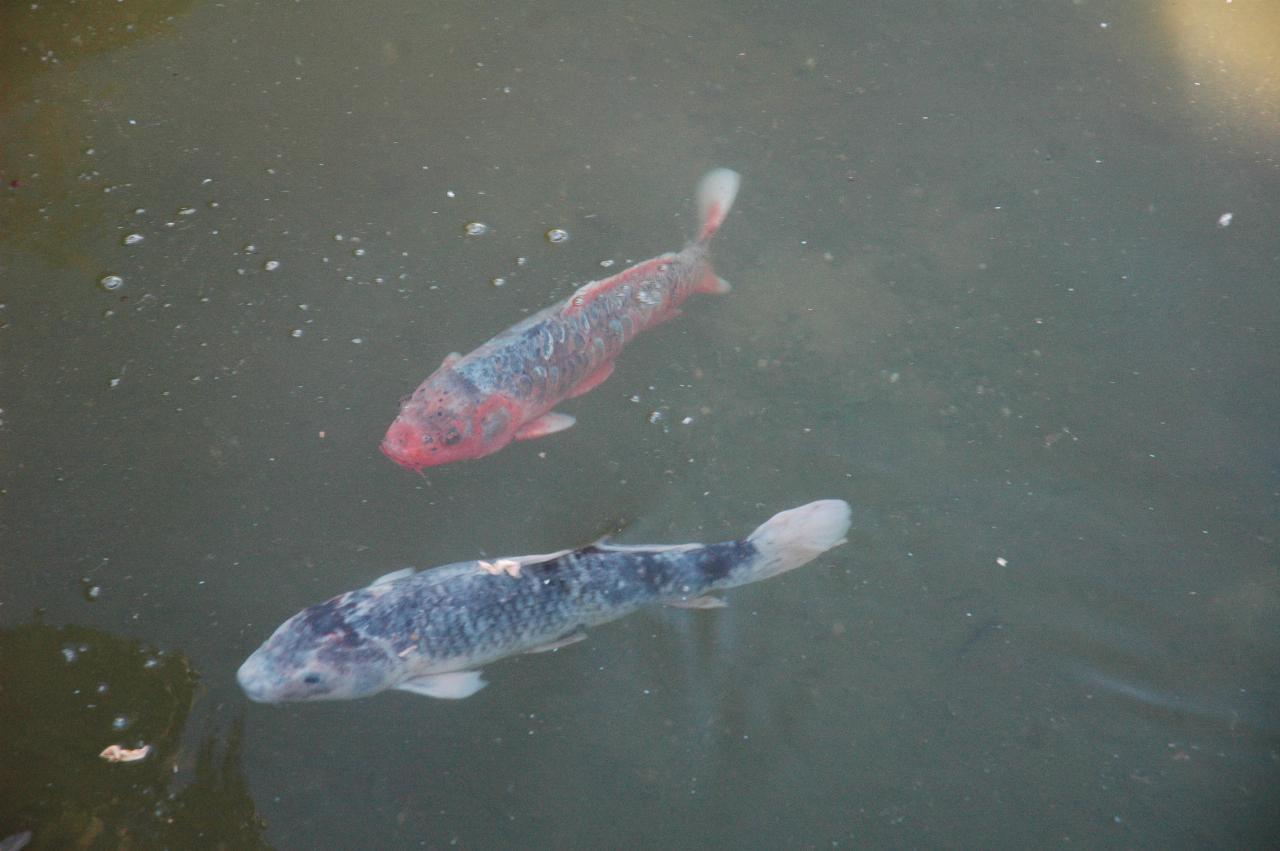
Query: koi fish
{"points": [[474, 405], [430, 632]]}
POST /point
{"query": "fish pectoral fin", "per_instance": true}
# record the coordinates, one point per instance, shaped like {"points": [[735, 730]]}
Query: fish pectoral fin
{"points": [[544, 425], [392, 576], [712, 284], [454, 685], [706, 601], [573, 637], [592, 381]]}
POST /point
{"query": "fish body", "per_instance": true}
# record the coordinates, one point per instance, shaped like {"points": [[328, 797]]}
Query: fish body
{"points": [[506, 390], [430, 632]]}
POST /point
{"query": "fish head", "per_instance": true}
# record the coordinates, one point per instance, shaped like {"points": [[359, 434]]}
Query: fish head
{"points": [[321, 653], [444, 421]]}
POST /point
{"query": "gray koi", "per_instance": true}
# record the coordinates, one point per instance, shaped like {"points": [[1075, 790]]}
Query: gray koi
{"points": [[429, 632]]}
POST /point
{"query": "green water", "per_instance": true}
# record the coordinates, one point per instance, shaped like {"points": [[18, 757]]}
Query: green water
{"points": [[985, 288]]}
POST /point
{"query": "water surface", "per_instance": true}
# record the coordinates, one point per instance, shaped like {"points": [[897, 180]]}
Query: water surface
{"points": [[1004, 278]]}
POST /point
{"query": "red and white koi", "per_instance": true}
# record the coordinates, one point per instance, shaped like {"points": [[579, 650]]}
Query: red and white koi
{"points": [[506, 390]]}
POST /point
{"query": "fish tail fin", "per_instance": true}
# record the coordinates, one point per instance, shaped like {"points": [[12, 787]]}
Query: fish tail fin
{"points": [[793, 538], [716, 192]]}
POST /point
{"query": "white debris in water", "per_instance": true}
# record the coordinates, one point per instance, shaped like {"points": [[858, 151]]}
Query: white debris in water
{"points": [[1002, 561], [555, 236], [112, 282], [1225, 220], [271, 265], [133, 239]]}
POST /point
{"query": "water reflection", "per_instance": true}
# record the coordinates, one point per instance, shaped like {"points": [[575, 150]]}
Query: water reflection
{"points": [[57, 196], [71, 691]]}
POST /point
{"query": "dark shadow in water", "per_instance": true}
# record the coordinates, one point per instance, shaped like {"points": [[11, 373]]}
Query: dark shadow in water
{"points": [[66, 693]]}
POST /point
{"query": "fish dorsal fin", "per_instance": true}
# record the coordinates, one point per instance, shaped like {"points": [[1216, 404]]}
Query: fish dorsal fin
{"points": [[393, 576], [644, 548], [588, 293], [524, 561]]}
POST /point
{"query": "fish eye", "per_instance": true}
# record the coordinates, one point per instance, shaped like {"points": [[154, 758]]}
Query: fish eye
{"points": [[311, 679]]}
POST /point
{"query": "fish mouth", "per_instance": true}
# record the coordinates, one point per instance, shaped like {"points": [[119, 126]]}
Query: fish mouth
{"points": [[254, 683], [403, 444]]}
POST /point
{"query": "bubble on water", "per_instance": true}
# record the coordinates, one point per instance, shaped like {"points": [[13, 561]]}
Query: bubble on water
{"points": [[139, 211], [249, 248], [70, 653], [357, 340], [520, 261], [296, 333], [655, 417], [111, 282], [133, 239], [103, 688], [121, 722], [555, 236], [337, 237], [499, 282], [271, 265], [606, 263], [187, 211], [359, 252], [152, 662], [475, 228]]}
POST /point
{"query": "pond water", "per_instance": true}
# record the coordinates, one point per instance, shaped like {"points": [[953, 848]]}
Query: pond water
{"points": [[1005, 278]]}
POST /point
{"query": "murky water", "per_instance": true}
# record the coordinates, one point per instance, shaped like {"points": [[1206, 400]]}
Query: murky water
{"points": [[1005, 278]]}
